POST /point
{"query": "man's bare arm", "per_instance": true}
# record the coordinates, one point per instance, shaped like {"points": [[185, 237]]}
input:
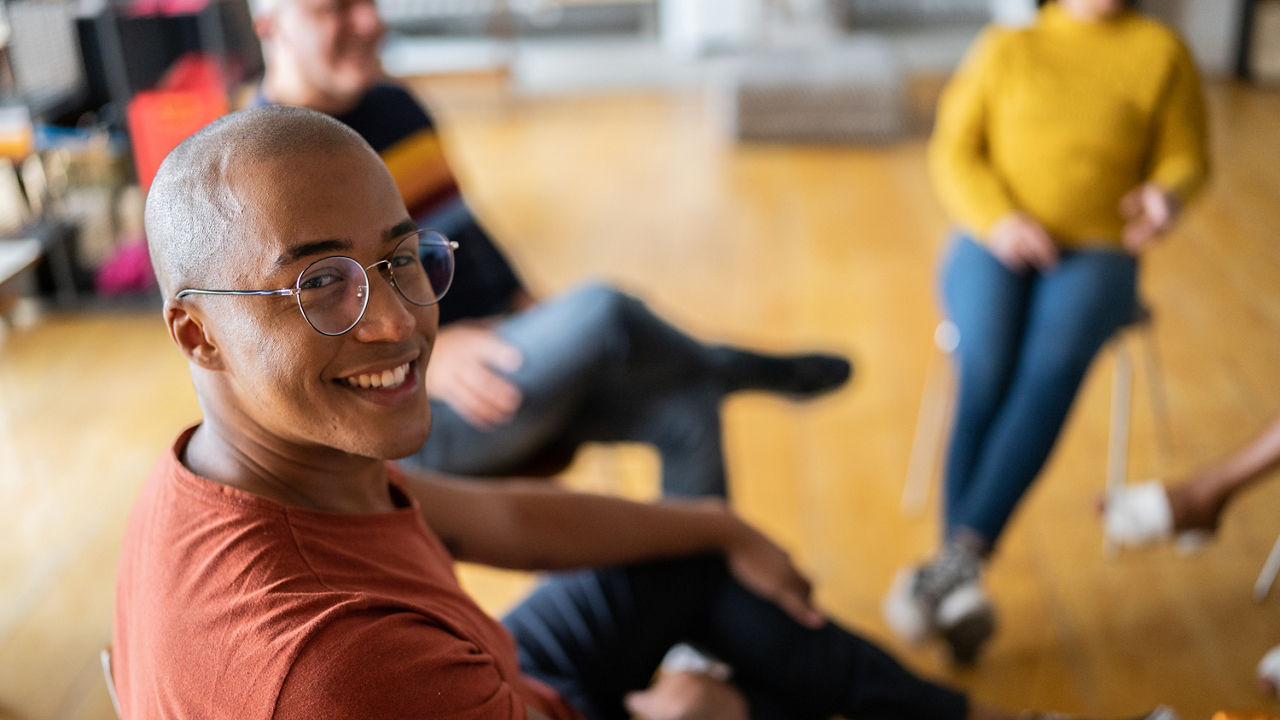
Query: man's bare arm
{"points": [[527, 526]]}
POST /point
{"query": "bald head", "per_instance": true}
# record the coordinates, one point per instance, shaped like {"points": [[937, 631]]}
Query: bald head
{"points": [[196, 212]]}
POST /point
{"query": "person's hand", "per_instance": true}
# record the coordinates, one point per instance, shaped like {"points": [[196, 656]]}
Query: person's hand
{"points": [[1019, 242], [1148, 211], [463, 372], [688, 696], [765, 569]]}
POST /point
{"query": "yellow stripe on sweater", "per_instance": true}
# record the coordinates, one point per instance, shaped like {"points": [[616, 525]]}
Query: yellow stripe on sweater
{"points": [[419, 167]]}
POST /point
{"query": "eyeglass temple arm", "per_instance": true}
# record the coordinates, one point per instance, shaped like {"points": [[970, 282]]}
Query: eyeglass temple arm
{"points": [[451, 244], [193, 291]]}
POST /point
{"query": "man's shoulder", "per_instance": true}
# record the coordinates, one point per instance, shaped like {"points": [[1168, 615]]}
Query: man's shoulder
{"points": [[386, 114], [390, 95], [1153, 36]]}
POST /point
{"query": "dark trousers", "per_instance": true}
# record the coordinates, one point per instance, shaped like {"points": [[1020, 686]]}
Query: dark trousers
{"points": [[597, 635]]}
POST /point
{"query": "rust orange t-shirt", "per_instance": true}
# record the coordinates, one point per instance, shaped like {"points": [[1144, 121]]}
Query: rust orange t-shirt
{"points": [[231, 605]]}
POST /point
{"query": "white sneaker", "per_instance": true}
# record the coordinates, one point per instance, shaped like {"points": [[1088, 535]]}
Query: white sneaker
{"points": [[943, 598]]}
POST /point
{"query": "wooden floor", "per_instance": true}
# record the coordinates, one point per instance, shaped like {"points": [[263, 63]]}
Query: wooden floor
{"points": [[780, 247]]}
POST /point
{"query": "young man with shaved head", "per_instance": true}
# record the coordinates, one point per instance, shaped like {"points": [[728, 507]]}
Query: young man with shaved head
{"points": [[277, 565], [517, 383]]}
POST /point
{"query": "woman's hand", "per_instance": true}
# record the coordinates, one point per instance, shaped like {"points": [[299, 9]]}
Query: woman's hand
{"points": [[1020, 243], [1149, 211]]}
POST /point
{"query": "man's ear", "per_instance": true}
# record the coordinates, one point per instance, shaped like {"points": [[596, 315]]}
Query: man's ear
{"points": [[190, 335]]}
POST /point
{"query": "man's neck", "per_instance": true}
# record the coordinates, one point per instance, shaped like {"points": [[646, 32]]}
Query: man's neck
{"points": [[283, 88], [314, 478]]}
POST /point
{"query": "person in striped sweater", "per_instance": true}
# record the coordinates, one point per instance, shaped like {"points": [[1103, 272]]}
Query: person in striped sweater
{"points": [[518, 382]]}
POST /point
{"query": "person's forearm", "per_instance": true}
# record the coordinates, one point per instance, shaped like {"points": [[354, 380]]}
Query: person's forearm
{"points": [[556, 530], [527, 526]]}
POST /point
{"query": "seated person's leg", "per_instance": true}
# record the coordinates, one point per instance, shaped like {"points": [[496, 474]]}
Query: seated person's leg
{"points": [[987, 303], [1074, 309], [682, 424], [942, 597], [564, 345], [598, 345], [596, 636], [1192, 508]]}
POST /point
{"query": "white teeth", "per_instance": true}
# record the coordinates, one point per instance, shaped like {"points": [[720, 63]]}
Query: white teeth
{"points": [[385, 379]]}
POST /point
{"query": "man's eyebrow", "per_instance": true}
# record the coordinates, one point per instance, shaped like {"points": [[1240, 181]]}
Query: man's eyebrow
{"points": [[297, 252], [399, 230]]}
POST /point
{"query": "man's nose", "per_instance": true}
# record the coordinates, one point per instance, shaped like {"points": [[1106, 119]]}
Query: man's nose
{"points": [[387, 316]]}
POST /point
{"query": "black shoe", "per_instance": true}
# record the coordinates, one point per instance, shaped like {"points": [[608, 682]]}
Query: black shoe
{"points": [[802, 376]]}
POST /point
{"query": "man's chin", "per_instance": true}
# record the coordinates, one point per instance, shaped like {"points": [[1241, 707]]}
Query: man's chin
{"points": [[396, 448], [407, 441], [412, 441]]}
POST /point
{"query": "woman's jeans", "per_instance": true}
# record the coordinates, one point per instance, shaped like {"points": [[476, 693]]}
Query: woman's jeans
{"points": [[1026, 340]]}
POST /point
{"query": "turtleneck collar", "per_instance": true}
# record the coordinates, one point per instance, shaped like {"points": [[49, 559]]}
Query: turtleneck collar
{"points": [[1054, 17]]}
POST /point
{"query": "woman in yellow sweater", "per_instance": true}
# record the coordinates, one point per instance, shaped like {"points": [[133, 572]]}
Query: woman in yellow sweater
{"points": [[1062, 150]]}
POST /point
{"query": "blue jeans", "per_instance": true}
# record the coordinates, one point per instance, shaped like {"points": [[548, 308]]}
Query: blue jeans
{"points": [[1026, 341], [598, 366], [596, 635]]}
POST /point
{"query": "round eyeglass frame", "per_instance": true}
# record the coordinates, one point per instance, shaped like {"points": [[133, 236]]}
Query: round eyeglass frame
{"points": [[425, 237]]}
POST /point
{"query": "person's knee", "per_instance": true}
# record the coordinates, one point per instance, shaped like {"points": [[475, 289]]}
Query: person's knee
{"points": [[603, 304], [688, 422], [1061, 369], [984, 376]]}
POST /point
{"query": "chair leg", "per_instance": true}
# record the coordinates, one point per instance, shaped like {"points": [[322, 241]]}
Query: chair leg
{"points": [[1159, 399], [104, 657], [1118, 444], [1262, 587], [935, 412]]}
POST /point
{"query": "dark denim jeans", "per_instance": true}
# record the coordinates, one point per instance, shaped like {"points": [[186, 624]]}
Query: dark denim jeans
{"points": [[1026, 341], [596, 635]]}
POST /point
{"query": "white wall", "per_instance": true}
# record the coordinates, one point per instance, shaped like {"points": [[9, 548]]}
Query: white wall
{"points": [[1210, 27]]}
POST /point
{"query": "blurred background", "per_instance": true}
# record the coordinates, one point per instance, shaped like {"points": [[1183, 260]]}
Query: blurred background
{"points": [[755, 170]]}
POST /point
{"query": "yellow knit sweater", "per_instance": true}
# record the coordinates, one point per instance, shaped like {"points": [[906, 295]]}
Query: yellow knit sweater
{"points": [[1060, 119]]}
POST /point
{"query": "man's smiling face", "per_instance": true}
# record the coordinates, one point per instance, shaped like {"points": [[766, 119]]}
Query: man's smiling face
{"points": [[283, 377]]}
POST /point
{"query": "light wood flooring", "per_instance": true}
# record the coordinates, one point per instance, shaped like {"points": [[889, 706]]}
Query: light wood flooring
{"points": [[780, 247]]}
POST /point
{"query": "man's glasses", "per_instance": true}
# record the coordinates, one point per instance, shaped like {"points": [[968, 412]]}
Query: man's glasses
{"points": [[333, 292]]}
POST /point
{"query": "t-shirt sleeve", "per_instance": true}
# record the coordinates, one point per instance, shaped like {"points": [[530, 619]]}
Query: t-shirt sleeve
{"points": [[398, 665]]}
